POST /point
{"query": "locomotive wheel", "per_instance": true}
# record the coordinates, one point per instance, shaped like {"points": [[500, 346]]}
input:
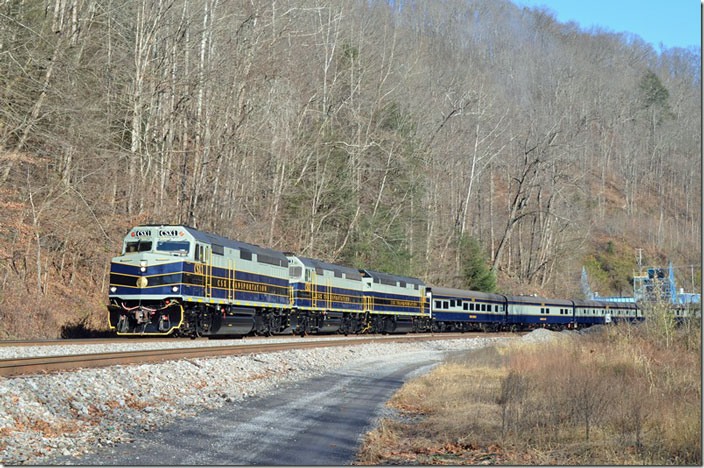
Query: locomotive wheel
{"points": [[274, 324], [304, 325]]}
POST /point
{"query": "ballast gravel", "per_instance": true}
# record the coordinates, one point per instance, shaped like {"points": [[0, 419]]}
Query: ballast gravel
{"points": [[543, 335], [18, 352], [73, 413]]}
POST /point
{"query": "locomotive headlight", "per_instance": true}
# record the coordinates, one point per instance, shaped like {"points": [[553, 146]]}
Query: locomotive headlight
{"points": [[174, 288], [143, 269], [113, 289]]}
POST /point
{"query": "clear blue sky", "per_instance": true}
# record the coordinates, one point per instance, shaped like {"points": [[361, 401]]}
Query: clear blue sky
{"points": [[675, 23]]}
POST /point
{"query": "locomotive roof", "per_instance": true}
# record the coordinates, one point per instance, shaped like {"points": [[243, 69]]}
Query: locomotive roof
{"points": [[210, 238], [385, 276], [313, 263], [465, 293]]}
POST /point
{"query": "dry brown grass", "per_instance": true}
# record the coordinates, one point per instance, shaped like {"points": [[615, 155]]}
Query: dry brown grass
{"points": [[624, 396]]}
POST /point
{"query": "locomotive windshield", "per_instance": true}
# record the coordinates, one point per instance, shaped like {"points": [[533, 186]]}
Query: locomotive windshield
{"points": [[178, 247], [139, 246]]}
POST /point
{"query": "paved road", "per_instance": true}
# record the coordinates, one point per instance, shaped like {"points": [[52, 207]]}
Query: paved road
{"points": [[319, 421]]}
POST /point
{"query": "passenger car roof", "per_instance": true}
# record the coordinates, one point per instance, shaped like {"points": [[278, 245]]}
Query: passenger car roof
{"points": [[538, 300], [466, 293]]}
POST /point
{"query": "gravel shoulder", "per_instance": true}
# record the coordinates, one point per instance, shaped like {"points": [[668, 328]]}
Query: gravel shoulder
{"points": [[317, 421], [62, 418]]}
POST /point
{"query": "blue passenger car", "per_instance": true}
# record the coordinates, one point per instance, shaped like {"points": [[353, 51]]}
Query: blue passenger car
{"points": [[461, 310], [532, 312]]}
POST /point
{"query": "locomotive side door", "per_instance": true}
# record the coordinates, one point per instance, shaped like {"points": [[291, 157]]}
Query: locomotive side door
{"points": [[204, 267], [208, 270]]}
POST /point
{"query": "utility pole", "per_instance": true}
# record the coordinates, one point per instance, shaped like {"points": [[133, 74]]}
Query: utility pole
{"points": [[640, 262]]}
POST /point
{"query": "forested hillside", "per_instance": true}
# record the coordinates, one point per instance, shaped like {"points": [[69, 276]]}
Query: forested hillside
{"points": [[394, 135]]}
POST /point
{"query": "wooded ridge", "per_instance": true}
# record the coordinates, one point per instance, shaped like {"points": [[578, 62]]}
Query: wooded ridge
{"points": [[389, 135]]}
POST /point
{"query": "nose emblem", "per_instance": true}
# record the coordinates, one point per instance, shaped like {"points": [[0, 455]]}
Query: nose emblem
{"points": [[142, 282]]}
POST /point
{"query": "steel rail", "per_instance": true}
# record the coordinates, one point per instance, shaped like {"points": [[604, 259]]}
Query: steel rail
{"points": [[87, 341], [159, 339], [46, 364]]}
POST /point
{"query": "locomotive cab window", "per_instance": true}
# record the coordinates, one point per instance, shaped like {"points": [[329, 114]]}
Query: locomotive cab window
{"points": [[176, 247], [139, 246]]}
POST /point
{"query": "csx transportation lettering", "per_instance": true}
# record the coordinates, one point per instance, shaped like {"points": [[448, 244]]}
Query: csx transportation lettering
{"points": [[142, 233], [168, 232]]}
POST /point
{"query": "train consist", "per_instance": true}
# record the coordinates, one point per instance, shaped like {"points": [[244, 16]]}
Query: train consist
{"points": [[176, 280]]}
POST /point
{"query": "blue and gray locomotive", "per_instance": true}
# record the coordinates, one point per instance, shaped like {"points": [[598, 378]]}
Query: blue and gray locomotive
{"points": [[176, 280]]}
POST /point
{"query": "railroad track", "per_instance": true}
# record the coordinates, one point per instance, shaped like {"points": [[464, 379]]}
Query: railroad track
{"points": [[170, 339], [47, 364], [85, 341]]}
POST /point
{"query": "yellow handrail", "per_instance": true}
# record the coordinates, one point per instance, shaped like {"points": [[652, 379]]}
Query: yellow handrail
{"points": [[208, 272], [231, 279], [314, 287]]}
